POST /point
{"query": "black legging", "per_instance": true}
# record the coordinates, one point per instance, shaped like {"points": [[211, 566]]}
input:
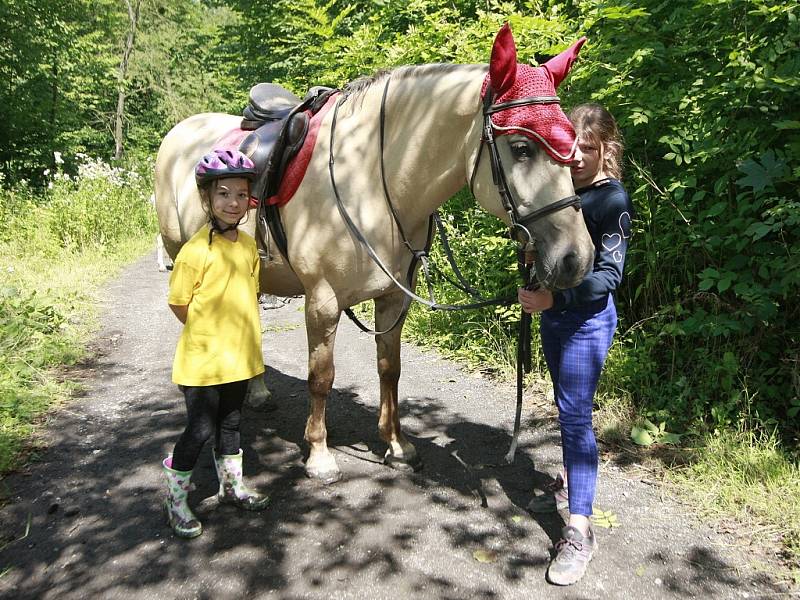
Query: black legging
{"points": [[210, 409]]}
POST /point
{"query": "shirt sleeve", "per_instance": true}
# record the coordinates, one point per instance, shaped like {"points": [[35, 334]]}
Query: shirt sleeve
{"points": [[185, 278], [614, 234]]}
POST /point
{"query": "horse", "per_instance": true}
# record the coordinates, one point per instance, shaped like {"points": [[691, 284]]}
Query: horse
{"points": [[414, 135]]}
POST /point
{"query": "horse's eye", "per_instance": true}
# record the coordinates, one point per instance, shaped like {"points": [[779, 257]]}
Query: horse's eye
{"points": [[521, 151]]}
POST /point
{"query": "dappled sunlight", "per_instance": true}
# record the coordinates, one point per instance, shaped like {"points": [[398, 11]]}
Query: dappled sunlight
{"points": [[456, 529]]}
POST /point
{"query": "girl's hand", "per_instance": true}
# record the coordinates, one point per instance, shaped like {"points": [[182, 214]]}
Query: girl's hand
{"points": [[535, 301], [181, 311]]}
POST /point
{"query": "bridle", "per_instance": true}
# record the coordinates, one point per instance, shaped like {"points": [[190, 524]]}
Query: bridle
{"points": [[520, 223]]}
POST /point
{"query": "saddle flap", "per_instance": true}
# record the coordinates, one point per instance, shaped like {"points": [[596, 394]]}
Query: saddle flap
{"points": [[259, 144], [292, 137]]}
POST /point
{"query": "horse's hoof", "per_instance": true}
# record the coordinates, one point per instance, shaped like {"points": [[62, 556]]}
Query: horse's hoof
{"points": [[326, 477], [403, 465]]}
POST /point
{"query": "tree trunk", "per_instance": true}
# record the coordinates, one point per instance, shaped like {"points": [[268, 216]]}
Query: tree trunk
{"points": [[133, 18]]}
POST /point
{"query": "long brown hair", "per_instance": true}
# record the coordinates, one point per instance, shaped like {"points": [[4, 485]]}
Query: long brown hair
{"points": [[594, 122]]}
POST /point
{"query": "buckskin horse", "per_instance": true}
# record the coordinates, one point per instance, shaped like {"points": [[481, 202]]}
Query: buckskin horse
{"points": [[394, 148]]}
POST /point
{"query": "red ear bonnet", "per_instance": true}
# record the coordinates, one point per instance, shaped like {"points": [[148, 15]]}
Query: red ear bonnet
{"points": [[545, 123]]}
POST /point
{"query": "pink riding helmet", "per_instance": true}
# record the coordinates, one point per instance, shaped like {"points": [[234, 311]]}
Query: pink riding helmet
{"points": [[220, 163]]}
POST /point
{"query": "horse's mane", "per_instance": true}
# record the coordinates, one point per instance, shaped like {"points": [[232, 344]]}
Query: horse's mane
{"points": [[359, 87]]}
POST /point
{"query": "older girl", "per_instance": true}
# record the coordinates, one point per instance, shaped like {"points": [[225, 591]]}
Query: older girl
{"points": [[578, 324]]}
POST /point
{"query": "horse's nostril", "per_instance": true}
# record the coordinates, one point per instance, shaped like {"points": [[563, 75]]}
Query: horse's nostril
{"points": [[571, 264]]}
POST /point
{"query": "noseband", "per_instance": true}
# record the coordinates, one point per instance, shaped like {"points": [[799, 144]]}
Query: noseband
{"points": [[520, 223]]}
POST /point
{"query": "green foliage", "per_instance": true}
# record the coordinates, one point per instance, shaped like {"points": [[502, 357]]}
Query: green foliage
{"points": [[60, 64], [712, 278], [54, 246], [33, 337]]}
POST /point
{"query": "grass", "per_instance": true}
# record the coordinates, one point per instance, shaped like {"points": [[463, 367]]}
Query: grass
{"points": [[56, 248], [745, 481], [54, 306]]}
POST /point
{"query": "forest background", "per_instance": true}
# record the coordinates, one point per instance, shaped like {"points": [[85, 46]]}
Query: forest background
{"points": [[707, 94]]}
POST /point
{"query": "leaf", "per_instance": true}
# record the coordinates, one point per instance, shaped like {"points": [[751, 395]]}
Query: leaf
{"points": [[604, 518], [641, 436], [716, 209], [485, 556], [786, 124], [670, 438], [760, 176], [650, 426]]}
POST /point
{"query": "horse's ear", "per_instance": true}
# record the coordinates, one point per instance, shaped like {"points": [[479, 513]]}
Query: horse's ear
{"points": [[559, 66], [503, 66]]}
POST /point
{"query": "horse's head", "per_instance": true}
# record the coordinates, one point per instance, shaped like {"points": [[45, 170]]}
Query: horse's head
{"points": [[530, 144]]}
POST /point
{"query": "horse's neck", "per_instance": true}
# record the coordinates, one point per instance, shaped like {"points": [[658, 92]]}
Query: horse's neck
{"points": [[431, 129]]}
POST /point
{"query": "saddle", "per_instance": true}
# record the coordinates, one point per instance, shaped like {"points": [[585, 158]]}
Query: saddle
{"points": [[278, 121]]}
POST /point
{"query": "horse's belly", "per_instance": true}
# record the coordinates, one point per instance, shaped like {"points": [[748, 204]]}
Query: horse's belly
{"points": [[278, 279]]}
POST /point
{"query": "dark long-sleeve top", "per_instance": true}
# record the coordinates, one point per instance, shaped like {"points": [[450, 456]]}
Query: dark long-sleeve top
{"points": [[607, 211]]}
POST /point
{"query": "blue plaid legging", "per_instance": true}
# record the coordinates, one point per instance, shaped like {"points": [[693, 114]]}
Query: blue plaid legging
{"points": [[575, 344]]}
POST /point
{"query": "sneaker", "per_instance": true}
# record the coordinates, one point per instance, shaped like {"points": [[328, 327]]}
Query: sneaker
{"points": [[555, 498], [573, 553]]}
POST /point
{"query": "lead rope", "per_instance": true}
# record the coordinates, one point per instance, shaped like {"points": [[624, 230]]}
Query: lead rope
{"points": [[525, 258]]}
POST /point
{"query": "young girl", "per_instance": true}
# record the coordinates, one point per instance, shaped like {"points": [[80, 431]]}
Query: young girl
{"points": [[212, 291], [577, 326]]}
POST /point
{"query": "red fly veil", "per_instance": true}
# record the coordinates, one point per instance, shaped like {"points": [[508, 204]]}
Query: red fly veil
{"points": [[545, 123]]}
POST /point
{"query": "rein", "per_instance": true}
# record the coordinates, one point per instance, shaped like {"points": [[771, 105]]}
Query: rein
{"points": [[418, 255]]}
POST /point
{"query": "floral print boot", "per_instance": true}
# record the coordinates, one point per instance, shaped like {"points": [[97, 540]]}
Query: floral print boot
{"points": [[180, 516], [231, 483]]}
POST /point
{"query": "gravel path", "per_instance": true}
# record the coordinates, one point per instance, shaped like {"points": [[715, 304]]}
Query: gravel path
{"points": [[85, 521]]}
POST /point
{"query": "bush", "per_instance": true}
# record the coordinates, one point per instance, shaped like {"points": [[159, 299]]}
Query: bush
{"points": [[101, 206]]}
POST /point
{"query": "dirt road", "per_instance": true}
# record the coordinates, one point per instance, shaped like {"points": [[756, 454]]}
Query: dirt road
{"points": [[85, 520]]}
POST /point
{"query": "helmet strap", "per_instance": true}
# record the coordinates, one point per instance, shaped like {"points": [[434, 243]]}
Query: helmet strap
{"points": [[217, 227]]}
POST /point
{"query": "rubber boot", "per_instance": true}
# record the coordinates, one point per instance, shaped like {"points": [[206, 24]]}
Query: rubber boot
{"points": [[231, 483], [180, 516]]}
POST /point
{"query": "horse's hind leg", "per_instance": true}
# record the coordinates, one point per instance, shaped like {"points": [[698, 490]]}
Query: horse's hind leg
{"points": [[322, 318], [401, 453]]}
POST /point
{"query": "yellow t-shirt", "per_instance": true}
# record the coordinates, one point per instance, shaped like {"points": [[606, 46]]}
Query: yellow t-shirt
{"points": [[221, 340]]}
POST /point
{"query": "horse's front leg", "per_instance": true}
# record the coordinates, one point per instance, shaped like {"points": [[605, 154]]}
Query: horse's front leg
{"points": [[401, 453], [322, 318]]}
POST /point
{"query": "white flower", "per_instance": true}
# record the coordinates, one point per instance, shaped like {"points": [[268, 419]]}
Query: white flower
{"points": [[46, 172], [57, 157]]}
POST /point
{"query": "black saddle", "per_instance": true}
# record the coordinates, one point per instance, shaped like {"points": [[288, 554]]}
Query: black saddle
{"points": [[279, 123]]}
